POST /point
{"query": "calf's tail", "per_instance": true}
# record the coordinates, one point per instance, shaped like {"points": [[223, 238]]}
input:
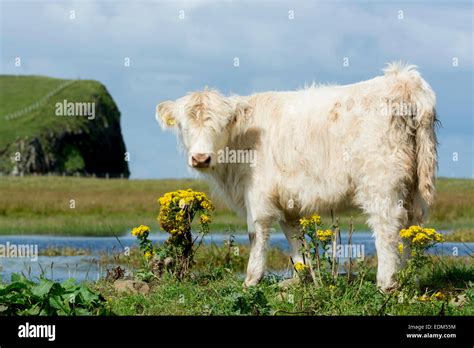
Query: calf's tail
{"points": [[415, 89]]}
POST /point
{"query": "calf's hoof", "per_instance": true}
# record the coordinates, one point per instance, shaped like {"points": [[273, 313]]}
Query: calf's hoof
{"points": [[251, 281], [388, 286]]}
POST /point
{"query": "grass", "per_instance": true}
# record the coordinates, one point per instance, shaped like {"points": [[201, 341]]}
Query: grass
{"points": [[453, 208], [41, 205], [461, 235], [19, 92], [23, 90], [217, 290], [225, 296]]}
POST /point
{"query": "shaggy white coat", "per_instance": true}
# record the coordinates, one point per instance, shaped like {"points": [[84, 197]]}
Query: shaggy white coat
{"points": [[372, 143]]}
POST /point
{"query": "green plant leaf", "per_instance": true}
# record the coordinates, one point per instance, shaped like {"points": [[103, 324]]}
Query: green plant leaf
{"points": [[56, 302], [69, 284], [88, 296], [24, 297], [13, 287], [42, 288]]}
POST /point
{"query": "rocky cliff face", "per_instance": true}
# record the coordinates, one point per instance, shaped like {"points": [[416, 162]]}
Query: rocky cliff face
{"points": [[70, 144]]}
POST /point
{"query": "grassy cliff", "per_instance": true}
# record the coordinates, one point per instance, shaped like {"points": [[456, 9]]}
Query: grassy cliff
{"points": [[35, 139]]}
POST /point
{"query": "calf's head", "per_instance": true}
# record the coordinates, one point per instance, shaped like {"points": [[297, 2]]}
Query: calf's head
{"points": [[203, 122]]}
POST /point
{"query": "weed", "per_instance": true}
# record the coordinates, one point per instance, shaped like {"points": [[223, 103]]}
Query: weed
{"points": [[25, 297]]}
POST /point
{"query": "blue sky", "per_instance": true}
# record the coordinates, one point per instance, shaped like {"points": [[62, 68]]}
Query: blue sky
{"points": [[170, 56]]}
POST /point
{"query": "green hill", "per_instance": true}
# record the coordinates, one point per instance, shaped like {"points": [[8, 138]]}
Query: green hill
{"points": [[36, 138]]}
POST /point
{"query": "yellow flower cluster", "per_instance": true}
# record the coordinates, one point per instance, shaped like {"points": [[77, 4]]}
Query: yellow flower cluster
{"points": [[141, 231], [421, 237], [439, 296], [324, 236], [299, 266], [206, 204], [424, 298], [311, 221], [179, 207], [205, 219], [185, 198], [148, 254]]}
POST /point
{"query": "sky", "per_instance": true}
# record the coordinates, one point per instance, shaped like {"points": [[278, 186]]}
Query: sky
{"points": [[175, 47]]}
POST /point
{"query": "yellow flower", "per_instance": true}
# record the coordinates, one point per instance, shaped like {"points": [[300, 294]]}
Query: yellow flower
{"points": [[429, 231], [438, 237], [316, 219], [205, 219], [324, 236], [424, 298], [439, 295], [205, 205], [180, 216], [400, 248], [299, 266], [311, 221], [178, 209], [406, 234], [410, 232], [140, 231], [304, 222], [148, 254], [421, 237]]}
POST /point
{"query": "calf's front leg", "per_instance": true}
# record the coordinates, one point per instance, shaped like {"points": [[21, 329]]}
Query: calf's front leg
{"points": [[258, 245]]}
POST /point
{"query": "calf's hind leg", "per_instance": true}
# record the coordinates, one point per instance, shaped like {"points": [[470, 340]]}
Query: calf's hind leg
{"points": [[387, 216]]}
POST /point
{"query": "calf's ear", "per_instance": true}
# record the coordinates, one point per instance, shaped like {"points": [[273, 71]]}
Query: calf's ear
{"points": [[242, 111], [165, 114]]}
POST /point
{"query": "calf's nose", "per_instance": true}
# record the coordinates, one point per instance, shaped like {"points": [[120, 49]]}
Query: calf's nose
{"points": [[200, 160]]}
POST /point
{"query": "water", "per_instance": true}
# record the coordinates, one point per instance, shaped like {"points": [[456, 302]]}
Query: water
{"points": [[89, 267]]}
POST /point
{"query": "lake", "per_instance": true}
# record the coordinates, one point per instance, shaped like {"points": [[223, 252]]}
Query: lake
{"points": [[88, 267]]}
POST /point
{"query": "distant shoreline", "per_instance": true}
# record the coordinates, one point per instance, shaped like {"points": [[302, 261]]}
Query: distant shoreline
{"points": [[41, 205]]}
